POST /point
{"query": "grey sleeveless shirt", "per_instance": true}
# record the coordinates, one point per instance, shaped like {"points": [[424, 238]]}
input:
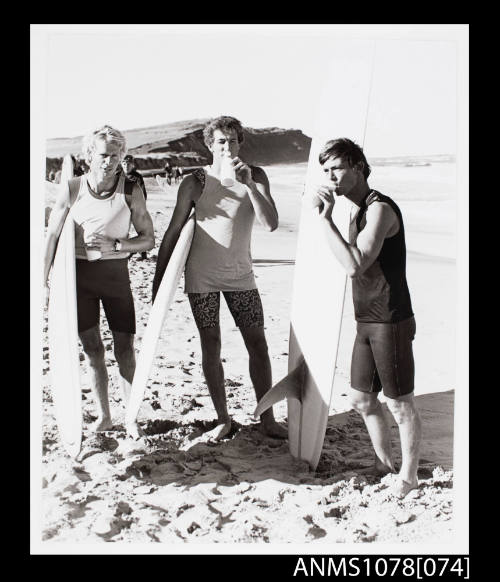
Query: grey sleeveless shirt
{"points": [[220, 257]]}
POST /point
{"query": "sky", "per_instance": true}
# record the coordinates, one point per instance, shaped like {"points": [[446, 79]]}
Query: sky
{"points": [[402, 77]]}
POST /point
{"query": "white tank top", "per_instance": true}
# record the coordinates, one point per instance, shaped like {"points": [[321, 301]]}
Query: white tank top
{"points": [[220, 257], [109, 216]]}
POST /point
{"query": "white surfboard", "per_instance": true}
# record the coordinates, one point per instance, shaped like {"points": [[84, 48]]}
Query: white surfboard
{"points": [[319, 279], [315, 324], [157, 316], [63, 333]]}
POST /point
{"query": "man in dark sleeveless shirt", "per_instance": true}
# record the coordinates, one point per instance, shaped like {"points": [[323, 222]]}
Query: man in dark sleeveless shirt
{"points": [[375, 259]]}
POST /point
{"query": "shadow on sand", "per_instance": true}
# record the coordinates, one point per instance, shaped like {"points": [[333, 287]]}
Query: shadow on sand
{"points": [[173, 452]]}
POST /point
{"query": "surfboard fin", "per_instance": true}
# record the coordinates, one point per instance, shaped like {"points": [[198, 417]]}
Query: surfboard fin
{"points": [[289, 387]]}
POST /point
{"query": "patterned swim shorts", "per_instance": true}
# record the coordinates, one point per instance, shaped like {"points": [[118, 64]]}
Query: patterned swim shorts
{"points": [[245, 307]]}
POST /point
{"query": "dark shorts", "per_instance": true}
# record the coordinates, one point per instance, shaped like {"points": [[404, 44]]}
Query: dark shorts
{"points": [[382, 358], [245, 307], [106, 281]]}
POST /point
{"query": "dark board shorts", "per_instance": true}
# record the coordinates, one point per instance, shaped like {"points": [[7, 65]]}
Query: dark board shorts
{"points": [[382, 358], [107, 282]]}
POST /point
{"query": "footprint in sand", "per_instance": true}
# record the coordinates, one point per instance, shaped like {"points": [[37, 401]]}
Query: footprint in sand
{"points": [[97, 443], [107, 527], [314, 531], [82, 474], [79, 509], [232, 383]]}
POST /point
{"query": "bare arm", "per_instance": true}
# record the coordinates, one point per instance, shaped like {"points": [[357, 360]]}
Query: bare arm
{"points": [[381, 222], [56, 221], [143, 224], [188, 193], [263, 203], [260, 195]]}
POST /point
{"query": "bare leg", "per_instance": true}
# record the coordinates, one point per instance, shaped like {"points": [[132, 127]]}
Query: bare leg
{"points": [[214, 376], [125, 358], [261, 376], [407, 418], [94, 350], [370, 408]]}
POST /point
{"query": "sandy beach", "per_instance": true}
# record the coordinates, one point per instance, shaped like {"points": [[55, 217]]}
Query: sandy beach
{"points": [[248, 489]]}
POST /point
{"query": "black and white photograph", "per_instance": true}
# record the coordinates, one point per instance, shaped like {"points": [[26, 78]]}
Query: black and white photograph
{"points": [[249, 289]]}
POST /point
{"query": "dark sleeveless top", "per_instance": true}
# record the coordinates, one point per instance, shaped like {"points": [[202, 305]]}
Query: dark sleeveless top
{"points": [[380, 294]]}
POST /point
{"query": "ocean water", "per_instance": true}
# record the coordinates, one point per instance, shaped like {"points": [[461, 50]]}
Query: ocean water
{"points": [[427, 196]]}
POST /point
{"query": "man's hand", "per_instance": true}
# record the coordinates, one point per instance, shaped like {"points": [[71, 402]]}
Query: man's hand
{"points": [[242, 171], [100, 242], [327, 199]]}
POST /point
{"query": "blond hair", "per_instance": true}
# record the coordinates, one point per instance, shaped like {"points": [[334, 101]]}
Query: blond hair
{"points": [[106, 133]]}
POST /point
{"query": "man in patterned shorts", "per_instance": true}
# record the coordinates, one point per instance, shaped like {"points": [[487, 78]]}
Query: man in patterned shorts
{"points": [[220, 261]]}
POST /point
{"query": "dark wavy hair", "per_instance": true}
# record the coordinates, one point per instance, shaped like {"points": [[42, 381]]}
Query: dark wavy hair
{"points": [[347, 151], [224, 122]]}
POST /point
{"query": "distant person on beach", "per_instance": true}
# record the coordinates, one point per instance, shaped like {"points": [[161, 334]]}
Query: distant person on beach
{"points": [[176, 174], [168, 172], [78, 168], [375, 259], [129, 168], [103, 205], [220, 261], [131, 173], [83, 168]]}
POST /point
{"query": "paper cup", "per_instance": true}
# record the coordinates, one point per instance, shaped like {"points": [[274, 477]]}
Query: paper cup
{"points": [[227, 173]]}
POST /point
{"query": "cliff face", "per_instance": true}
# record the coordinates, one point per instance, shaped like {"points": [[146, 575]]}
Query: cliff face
{"points": [[182, 144], [260, 146], [275, 146]]}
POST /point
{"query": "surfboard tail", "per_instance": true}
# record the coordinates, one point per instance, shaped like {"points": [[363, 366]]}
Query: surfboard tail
{"points": [[289, 387]]}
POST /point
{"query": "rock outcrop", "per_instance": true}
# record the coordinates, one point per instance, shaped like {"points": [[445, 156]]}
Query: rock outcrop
{"points": [[182, 144]]}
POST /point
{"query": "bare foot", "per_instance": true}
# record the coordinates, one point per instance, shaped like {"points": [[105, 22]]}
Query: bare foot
{"points": [[102, 425], [273, 429], [402, 488], [219, 432], [134, 431]]}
